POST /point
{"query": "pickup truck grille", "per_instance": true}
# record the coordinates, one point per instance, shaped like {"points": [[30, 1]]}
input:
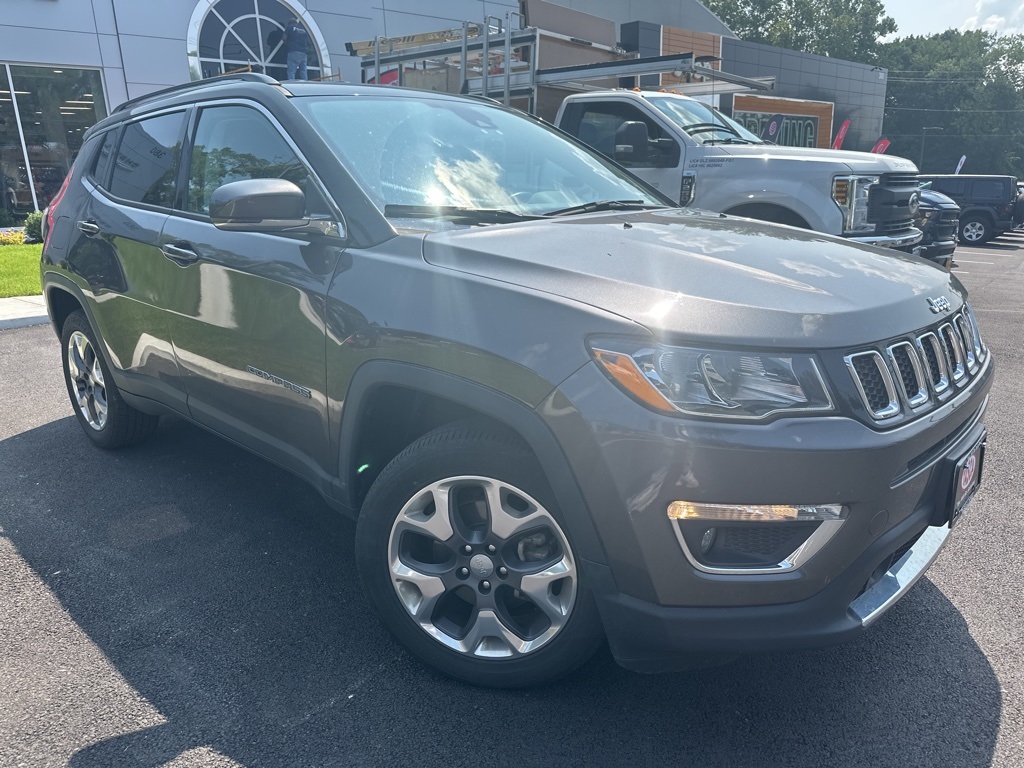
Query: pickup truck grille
{"points": [[912, 375], [889, 202], [949, 223]]}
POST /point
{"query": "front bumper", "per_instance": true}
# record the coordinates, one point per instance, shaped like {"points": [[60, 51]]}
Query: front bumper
{"points": [[898, 240], [659, 610]]}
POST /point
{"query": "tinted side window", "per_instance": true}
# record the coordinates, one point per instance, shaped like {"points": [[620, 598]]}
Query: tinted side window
{"points": [[147, 160], [951, 187], [599, 123], [991, 189], [104, 159], [233, 143]]}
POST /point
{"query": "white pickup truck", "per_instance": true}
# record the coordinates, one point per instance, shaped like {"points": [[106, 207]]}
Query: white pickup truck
{"points": [[698, 156]]}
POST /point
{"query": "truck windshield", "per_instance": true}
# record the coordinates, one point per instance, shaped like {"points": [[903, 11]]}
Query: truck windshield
{"points": [[704, 123], [420, 154]]}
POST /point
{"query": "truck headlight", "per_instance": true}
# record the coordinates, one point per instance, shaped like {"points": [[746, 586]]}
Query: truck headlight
{"points": [[715, 383], [851, 195]]}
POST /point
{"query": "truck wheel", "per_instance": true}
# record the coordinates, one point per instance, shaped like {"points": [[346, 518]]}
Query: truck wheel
{"points": [[975, 230], [464, 555], [105, 417]]}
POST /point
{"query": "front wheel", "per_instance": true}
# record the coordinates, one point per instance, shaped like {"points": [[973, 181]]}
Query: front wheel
{"points": [[463, 553], [975, 230]]}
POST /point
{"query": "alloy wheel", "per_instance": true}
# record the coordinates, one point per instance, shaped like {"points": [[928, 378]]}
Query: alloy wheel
{"points": [[973, 231], [482, 567], [87, 384]]}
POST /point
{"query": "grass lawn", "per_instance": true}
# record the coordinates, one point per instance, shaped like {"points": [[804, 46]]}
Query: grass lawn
{"points": [[19, 270]]}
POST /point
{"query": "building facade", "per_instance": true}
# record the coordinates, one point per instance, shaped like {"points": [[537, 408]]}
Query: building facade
{"points": [[64, 64]]}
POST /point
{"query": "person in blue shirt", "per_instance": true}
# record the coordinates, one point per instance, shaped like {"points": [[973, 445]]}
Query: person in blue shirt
{"points": [[296, 44]]}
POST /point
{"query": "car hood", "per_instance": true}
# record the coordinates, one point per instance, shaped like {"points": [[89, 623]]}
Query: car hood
{"points": [[704, 276], [932, 199], [856, 162]]}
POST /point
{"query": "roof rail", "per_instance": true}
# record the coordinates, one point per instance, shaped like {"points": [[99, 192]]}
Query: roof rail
{"points": [[248, 77]]}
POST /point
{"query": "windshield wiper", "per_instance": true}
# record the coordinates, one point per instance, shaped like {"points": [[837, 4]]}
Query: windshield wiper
{"points": [[704, 127], [603, 205], [456, 213], [731, 140]]}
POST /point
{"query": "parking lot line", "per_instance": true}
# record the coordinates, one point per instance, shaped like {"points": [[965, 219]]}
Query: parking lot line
{"points": [[969, 261]]}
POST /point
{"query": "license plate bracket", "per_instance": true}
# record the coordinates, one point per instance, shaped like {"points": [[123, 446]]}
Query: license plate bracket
{"points": [[965, 480]]}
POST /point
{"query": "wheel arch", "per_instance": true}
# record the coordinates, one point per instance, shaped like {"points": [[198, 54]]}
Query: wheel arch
{"points": [[770, 212], [417, 399], [61, 302]]}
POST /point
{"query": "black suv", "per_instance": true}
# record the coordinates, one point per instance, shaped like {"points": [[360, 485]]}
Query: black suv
{"points": [[987, 204], [559, 408], [938, 218]]}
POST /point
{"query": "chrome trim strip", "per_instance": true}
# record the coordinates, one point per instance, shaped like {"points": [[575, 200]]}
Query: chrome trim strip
{"points": [[979, 345], [956, 366], [967, 338], [940, 357], [900, 577], [921, 396], [814, 543], [893, 408]]}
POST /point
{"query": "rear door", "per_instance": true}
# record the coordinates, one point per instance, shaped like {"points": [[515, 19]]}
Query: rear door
{"points": [[248, 321], [130, 187]]}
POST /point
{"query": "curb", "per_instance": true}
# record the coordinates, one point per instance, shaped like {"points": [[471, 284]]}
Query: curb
{"points": [[23, 322]]}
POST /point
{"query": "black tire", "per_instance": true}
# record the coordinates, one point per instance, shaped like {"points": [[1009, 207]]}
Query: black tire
{"points": [[105, 417], [975, 229], [475, 455]]}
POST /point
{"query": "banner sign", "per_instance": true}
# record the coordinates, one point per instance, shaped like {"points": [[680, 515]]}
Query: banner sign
{"points": [[770, 131], [790, 130], [838, 143], [960, 165], [880, 146]]}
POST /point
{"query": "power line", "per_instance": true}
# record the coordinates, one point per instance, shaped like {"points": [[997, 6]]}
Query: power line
{"points": [[956, 111]]}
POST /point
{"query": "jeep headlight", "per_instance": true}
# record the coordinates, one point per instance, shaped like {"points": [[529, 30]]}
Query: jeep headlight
{"points": [[715, 383], [851, 195]]}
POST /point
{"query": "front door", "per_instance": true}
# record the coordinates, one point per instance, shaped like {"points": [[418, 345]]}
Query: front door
{"points": [[249, 325]]}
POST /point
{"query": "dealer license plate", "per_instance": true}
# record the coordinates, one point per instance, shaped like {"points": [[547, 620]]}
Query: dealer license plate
{"points": [[966, 479]]}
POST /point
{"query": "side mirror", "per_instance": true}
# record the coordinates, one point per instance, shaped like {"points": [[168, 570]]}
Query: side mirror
{"points": [[631, 142], [265, 205]]}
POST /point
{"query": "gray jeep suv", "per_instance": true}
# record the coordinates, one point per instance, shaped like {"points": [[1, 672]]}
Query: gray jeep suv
{"points": [[559, 409]]}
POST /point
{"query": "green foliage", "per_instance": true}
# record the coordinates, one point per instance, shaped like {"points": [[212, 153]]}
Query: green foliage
{"points": [[968, 84], [843, 29], [6, 218], [34, 227], [19, 270]]}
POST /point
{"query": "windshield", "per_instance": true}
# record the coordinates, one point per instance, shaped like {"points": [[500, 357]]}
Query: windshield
{"points": [[704, 123], [451, 155]]}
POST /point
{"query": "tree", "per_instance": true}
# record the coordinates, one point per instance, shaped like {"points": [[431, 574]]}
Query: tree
{"points": [[842, 29], [968, 84]]}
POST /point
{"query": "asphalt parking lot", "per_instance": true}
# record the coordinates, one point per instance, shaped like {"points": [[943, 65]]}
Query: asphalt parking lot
{"points": [[185, 603]]}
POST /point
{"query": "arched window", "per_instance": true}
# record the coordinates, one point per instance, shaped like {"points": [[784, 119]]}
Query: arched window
{"points": [[227, 35]]}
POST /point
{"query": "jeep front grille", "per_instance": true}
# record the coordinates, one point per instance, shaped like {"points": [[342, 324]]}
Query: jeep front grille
{"points": [[914, 374]]}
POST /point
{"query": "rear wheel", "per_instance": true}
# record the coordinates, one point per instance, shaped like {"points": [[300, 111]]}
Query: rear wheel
{"points": [[104, 415], [463, 553], [975, 230]]}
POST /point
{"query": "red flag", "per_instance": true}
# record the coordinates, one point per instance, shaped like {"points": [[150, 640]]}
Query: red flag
{"points": [[880, 146], [838, 143]]}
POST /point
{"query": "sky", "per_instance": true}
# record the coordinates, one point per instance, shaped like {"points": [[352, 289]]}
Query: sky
{"points": [[925, 17]]}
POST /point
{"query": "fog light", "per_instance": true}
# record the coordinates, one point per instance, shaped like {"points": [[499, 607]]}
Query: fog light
{"points": [[748, 538], [707, 540], [734, 513]]}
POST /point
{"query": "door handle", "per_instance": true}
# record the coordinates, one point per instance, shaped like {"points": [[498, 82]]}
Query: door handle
{"points": [[180, 254], [90, 228]]}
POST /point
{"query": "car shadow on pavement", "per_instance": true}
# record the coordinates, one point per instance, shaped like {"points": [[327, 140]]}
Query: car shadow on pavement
{"points": [[225, 593]]}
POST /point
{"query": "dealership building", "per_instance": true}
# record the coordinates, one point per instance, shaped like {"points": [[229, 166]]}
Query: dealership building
{"points": [[64, 64]]}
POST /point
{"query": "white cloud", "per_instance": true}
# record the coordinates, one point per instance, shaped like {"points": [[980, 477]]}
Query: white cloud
{"points": [[1004, 17]]}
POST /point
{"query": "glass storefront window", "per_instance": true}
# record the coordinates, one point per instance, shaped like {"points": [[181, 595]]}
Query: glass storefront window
{"points": [[53, 107]]}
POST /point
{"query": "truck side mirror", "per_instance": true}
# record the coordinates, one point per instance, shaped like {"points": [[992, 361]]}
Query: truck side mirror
{"points": [[631, 142]]}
